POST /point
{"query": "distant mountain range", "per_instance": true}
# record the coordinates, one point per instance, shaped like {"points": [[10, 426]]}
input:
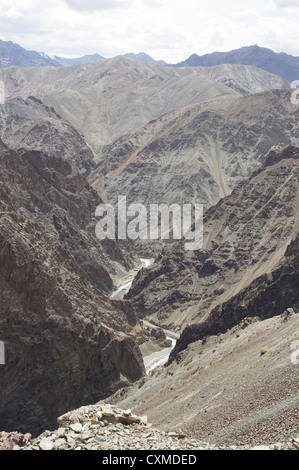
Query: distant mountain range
{"points": [[281, 64], [143, 57], [63, 62], [12, 54], [284, 65]]}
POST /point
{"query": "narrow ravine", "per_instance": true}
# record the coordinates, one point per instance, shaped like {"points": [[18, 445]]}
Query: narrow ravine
{"points": [[158, 358], [126, 283]]}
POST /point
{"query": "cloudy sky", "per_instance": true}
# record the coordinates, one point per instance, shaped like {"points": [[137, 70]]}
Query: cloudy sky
{"points": [[166, 29]]}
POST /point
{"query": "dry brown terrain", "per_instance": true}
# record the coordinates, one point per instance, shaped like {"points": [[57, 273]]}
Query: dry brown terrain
{"points": [[224, 390], [155, 134], [249, 251]]}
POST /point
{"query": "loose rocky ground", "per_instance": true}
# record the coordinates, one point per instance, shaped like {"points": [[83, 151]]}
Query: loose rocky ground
{"points": [[235, 391], [106, 427], [237, 388]]}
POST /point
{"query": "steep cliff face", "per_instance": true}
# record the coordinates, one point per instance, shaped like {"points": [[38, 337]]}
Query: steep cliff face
{"points": [[66, 343], [248, 265]]}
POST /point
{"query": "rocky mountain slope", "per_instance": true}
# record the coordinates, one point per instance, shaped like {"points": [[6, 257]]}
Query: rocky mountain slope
{"points": [[66, 343], [244, 79], [281, 64], [248, 265], [234, 389], [156, 134], [198, 154], [166, 134], [109, 99], [105, 100], [33, 125]]}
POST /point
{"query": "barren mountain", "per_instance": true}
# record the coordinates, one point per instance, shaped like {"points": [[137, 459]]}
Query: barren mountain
{"points": [[106, 100], [238, 388], [65, 342], [166, 134], [244, 79], [13, 54], [33, 125], [248, 265], [198, 154], [64, 62], [156, 134], [232, 377], [284, 65]]}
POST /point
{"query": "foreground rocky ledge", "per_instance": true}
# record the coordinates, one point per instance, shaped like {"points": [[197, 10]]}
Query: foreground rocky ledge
{"points": [[108, 428]]}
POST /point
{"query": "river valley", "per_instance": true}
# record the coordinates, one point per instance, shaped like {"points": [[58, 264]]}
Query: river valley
{"points": [[159, 357]]}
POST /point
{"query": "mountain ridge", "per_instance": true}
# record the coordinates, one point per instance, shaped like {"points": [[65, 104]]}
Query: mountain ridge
{"points": [[12, 54], [104, 101], [281, 64]]}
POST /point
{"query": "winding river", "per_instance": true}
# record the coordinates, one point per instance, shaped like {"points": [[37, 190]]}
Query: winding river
{"points": [[158, 358], [126, 283]]}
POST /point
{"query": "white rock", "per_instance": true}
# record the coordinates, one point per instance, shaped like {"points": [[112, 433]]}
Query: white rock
{"points": [[46, 444], [107, 411], [144, 420], [77, 427], [59, 443]]}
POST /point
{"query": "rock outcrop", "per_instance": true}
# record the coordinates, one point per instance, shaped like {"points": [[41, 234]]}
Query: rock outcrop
{"points": [[66, 343]]}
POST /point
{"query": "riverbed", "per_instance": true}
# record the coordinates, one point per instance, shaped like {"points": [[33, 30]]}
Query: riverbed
{"points": [[158, 358], [126, 282]]}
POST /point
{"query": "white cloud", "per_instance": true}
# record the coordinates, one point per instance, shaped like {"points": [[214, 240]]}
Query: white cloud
{"points": [[95, 5], [166, 29], [286, 3]]}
